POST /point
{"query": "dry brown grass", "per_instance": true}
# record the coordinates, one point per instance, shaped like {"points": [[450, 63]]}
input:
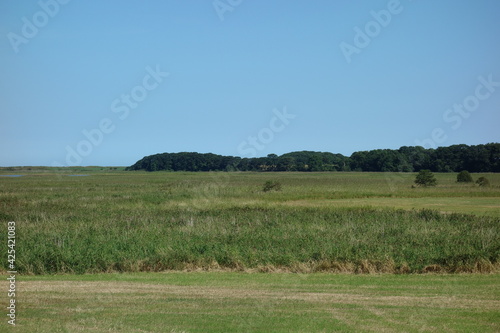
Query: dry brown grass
{"points": [[322, 266]]}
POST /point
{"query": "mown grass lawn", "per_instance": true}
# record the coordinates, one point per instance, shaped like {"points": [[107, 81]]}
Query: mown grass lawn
{"points": [[257, 302]]}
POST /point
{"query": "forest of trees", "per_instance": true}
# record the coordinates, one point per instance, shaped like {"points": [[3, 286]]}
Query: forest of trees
{"points": [[480, 158]]}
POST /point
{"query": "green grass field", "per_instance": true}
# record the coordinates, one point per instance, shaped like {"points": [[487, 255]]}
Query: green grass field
{"points": [[256, 302], [341, 222], [213, 234]]}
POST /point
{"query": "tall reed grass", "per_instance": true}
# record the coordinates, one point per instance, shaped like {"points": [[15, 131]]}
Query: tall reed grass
{"points": [[175, 221]]}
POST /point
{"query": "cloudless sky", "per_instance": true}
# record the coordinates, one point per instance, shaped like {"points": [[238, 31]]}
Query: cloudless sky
{"points": [[232, 69]]}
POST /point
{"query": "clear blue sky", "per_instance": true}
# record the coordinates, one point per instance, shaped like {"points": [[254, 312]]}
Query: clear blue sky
{"points": [[68, 67]]}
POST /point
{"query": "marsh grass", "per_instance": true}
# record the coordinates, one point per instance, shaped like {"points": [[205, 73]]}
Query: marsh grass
{"points": [[134, 221]]}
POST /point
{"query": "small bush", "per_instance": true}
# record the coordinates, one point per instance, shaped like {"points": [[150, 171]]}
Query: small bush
{"points": [[464, 177], [483, 182], [271, 185], [425, 178]]}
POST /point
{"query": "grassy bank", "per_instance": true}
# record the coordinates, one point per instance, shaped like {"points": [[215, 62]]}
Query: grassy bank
{"points": [[133, 221]]}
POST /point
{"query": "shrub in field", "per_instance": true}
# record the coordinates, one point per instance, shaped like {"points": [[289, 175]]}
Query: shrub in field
{"points": [[271, 185], [464, 177], [425, 178], [483, 181]]}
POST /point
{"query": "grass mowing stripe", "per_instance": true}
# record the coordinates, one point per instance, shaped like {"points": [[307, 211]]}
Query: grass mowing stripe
{"points": [[231, 302]]}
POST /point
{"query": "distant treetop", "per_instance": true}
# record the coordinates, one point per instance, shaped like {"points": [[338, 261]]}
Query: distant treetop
{"points": [[480, 158]]}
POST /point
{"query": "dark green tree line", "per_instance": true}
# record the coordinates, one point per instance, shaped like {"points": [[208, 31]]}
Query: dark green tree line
{"points": [[480, 158]]}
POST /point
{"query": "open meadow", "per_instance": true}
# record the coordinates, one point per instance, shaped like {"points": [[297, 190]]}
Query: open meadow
{"points": [[210, 236]]}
